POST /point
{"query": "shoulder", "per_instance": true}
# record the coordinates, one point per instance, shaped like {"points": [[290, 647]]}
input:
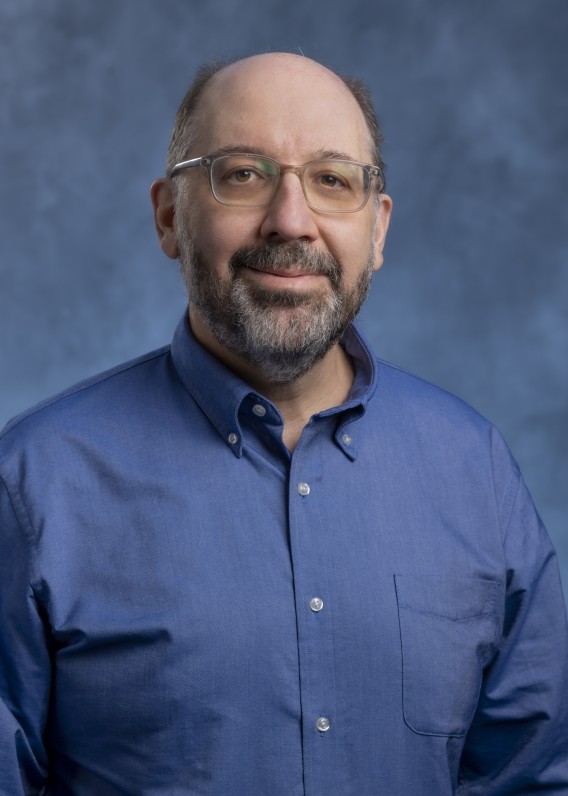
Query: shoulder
{"points": [[424, 418], [111, 393], [400, 397], [415, 399]]}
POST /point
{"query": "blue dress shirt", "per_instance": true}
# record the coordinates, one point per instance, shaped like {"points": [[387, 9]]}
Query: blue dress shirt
{"points": [[186, 608]]}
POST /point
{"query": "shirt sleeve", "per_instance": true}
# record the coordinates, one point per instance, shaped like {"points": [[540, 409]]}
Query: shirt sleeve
{"points": [[518, 741], [24, 660]]}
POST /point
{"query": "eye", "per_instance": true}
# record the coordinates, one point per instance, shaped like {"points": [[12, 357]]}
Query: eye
{"points": [[332, 181], [242, 176]]}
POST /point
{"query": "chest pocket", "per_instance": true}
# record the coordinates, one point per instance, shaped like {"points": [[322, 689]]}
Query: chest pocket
{"points": [[448, 630]]}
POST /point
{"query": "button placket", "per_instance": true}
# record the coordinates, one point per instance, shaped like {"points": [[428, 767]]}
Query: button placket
{"points": [[313, 599]]}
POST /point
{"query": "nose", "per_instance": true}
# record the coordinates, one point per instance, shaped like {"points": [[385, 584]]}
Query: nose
{"points": [[288, 216]]}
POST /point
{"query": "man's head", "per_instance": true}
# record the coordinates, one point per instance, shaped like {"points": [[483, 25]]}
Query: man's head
{"points": [[276, 284]]}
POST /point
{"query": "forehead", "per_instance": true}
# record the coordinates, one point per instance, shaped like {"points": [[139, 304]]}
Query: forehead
{"points": [[287, 107]]}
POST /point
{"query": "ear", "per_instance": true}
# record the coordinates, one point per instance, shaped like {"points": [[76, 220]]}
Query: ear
{"points": [[164, 210], [381, 227]]}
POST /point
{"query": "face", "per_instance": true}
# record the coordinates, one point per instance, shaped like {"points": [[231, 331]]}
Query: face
{"points": [[276, 285]]}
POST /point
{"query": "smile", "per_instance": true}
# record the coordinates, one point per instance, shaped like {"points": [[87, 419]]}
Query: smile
{"points": [[288, 278]]}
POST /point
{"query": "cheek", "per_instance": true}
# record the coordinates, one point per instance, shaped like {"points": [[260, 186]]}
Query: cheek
{"points": [[220, 232], [352, 248]]}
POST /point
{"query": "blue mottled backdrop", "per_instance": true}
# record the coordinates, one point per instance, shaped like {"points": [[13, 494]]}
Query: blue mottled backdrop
{"points": [[474, 102]]}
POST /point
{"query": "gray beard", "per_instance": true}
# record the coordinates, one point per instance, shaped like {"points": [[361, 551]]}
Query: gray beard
{"points": [[282, 333]]}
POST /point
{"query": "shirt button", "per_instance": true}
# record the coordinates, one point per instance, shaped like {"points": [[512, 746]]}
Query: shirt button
{"points": [[303, 488], [259, 410], [233, 438], [316, 604], [323, 724], [346, 439]]}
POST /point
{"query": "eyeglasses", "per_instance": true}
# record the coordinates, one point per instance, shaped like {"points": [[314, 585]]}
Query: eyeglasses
{"points": [[244, 180]]}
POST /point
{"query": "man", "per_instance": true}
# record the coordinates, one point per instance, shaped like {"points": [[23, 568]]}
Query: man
{"points": [[260, 561]]}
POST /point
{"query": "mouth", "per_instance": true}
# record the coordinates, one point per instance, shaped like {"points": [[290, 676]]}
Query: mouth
{"points": [[293, 267], [291, 278]]}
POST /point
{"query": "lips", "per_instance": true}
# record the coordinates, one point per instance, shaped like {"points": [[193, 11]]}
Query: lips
{"points": [[287, 261], [285, 274]]}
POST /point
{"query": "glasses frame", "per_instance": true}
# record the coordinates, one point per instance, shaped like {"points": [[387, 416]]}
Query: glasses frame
{"points": [[207, 161]]}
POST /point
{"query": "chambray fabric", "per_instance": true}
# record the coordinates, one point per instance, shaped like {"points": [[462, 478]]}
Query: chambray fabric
{"points": [[159, 556]]}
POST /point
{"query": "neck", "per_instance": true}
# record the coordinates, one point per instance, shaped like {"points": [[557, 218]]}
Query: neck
{"points": [[326, 384]]}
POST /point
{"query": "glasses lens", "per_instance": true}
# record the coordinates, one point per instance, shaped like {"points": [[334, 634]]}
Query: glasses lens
{"points": [[337, 186], [246, 180]]}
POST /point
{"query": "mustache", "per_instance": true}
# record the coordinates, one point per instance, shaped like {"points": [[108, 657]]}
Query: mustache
{"points": [[283, 257]]}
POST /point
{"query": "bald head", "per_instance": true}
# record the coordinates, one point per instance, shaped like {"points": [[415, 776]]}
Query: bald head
{"points": [[281, 70], [278, 80]]}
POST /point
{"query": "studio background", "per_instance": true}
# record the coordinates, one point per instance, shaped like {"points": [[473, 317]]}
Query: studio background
{"points": [[474, 104]]}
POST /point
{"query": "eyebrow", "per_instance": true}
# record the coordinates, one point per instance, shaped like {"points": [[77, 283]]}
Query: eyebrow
{"points": [[320, 154], [242, 148], [333, 154]]}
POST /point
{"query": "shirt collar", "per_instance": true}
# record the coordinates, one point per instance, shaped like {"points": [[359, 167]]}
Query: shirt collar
{"points": [[220, 393]]}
